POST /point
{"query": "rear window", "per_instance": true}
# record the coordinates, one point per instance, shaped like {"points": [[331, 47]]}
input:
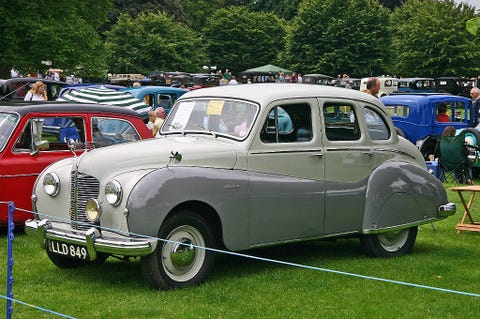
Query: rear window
{"points": [[398, 110]]}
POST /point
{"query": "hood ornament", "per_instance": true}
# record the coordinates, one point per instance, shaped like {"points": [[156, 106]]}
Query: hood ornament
{"points": [[175, 157]]}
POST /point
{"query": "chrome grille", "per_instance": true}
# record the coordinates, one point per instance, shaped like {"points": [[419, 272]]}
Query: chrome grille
{"points": [[82, 188]]}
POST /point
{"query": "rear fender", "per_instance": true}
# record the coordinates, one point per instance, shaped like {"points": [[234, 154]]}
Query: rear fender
{"points": [[401, 194]]}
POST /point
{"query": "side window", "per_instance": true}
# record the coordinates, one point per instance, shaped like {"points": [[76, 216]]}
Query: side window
{"points": [[377, 128], [287, 124], [56, 130], [398, 110], [110, 131], [340, 122], [451, 112]]}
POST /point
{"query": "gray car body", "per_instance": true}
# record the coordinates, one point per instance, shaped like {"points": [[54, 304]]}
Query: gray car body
{"points": [[257, 194]]}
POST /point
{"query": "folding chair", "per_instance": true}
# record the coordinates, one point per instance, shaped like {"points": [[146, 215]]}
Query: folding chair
{"points": [[453, 159]]}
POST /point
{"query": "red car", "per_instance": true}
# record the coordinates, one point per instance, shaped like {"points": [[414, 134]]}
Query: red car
{"points": [[32, 136]]}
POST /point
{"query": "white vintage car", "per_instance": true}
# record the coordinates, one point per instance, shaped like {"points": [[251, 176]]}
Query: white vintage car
{"points": [[235, 168]]}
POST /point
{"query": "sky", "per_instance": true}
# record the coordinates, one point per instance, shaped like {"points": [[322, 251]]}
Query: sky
{"points": [[474, 3]]}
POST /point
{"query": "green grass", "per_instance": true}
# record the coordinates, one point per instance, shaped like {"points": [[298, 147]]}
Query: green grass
{"points": [[247, 288]]}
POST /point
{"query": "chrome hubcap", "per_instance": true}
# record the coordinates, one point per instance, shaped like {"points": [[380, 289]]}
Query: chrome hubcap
{"points": [[182, 258], [393, 241]]}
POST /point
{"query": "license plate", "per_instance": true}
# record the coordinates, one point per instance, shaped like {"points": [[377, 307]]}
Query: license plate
{"points": [[68, 250]]}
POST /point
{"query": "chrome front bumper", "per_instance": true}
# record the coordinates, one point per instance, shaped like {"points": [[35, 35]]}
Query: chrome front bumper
{"points": [[95, 242], [446, 210]]}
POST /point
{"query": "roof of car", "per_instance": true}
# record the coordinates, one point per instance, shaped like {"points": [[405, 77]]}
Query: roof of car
{"points": [[267, 92], [419, 97], [24, 107], [414, 79], [153, 89], [30, 79]]}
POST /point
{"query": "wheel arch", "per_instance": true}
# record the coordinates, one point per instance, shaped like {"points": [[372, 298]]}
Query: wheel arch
{"points": [[204, 210]]}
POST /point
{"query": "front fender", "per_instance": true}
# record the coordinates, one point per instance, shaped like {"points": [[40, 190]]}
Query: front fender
{"points": [[401, 194], [159, 193]]}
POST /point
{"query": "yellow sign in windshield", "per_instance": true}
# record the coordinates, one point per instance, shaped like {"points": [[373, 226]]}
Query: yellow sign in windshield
{"points": [[215, 107]]}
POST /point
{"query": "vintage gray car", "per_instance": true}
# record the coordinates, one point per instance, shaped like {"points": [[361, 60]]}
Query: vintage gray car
{"points": [[239, 167]]}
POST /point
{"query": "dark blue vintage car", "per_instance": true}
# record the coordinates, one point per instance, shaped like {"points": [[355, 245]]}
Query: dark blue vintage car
{"points": [[415, 117]]}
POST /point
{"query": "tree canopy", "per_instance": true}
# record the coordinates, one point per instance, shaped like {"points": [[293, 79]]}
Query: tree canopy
{"points": [[339, 36], [240, 39], [357, 37], [431, 39], [153, 41], [67, 35]]}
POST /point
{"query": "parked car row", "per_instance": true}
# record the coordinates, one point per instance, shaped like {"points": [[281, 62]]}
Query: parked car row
{"points": [[388, 85]]}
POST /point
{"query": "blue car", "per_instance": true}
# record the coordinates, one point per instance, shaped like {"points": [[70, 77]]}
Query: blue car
{"points": [[157, 96], [415, 117]]}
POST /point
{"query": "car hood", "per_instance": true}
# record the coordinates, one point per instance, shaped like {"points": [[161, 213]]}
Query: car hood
{"points": [[194, 150]]}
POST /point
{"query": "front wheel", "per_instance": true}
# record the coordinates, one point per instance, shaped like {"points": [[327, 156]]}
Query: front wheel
{"points": [[179, 259], [390, 244]]}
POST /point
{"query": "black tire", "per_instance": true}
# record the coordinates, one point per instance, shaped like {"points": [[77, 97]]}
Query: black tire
{"points": [[173, 265], [65, 262], [429, 146], [391, 244]]}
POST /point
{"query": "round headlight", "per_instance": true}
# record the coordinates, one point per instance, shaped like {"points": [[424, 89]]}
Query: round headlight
{"points": [[113, 193], [51, 184], [93, 210]]}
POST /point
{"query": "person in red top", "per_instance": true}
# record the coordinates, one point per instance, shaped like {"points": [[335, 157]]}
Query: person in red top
{"points": [[442, 113]]}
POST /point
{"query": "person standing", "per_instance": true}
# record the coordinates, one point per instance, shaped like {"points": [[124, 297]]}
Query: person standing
{"points": [[227, 75], [37, 92], [475, 95], [373, 86], [154, 122], [233, 81]]}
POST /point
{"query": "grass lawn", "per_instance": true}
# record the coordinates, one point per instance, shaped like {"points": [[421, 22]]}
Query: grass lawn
{"points": [[247, 288]]}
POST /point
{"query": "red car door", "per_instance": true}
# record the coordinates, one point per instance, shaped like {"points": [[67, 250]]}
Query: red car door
{"points": [[19, 168]]}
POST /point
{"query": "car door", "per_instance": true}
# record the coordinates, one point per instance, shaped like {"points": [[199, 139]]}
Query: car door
{"points": [[348, 160], [21, 164], [287, 170]]}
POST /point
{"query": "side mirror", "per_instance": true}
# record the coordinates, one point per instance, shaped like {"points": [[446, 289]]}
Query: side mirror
{"points": [[38, 146]]}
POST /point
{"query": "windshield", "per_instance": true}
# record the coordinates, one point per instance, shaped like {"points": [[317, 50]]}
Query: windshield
{"points": [[7, 124], [223, 117]]}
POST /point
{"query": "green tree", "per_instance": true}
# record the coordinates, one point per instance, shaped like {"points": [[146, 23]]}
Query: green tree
{"points": [[197, 11], [153, 41], [66, 34], [239, 39], [286, 9], [339, 36], [172, 8], [430, 39]]}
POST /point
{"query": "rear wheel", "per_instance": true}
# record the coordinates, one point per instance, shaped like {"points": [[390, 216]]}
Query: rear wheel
{"points": [[390, 244], [179, 259]]}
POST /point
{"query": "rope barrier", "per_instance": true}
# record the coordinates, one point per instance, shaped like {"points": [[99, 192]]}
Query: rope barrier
{"points": [[36, 307]]}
